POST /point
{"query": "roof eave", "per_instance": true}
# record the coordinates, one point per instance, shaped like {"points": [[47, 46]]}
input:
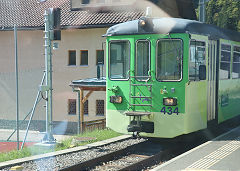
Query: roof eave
{"points": [[64, 27]]}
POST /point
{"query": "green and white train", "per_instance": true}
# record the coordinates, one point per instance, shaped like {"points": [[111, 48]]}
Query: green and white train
{"points": [[167, 76]]}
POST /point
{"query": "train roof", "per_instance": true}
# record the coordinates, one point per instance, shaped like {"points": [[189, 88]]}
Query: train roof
{"points": [[172, 25]]}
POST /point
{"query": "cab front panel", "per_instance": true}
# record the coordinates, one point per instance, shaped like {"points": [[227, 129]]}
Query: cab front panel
{"points": [[158, 85]]}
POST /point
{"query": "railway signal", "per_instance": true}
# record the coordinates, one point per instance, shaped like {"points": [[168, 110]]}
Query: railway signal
{"points": [[52, 32]]}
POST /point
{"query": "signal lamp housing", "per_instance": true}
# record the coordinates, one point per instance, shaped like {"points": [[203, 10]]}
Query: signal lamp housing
{"points": [[116, 99], [169, 101]]}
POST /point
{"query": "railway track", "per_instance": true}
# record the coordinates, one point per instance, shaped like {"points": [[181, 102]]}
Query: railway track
{"points": [[65, 158], [136, 157], [124, 154], [146, 154]]}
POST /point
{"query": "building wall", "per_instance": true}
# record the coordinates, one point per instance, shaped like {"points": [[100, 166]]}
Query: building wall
{"points": [[86, 39], [31, 60], [31, 66]]}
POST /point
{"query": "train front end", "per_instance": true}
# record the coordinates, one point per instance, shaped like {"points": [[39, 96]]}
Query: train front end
{"points": [[147, 79]]}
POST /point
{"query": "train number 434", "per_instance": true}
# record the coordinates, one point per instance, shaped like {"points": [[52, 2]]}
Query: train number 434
{"points": [[169, 110]]}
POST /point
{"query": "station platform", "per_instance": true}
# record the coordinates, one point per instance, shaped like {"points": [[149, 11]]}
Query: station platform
{"points": [[221, 153]]}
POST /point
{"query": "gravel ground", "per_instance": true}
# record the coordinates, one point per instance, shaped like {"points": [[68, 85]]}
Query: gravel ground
{"points": [[62, 161]]}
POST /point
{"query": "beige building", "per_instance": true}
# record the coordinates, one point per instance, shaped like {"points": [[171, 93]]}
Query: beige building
{"points": [[80, 49]]}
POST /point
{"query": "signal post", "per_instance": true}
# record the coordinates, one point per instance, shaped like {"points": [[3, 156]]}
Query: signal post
{"points": [[52, 32]]}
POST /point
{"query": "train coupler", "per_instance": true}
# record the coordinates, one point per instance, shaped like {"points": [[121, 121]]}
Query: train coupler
{"points": [[137, 125], [134, 128], [136, 135], [141, 126]]}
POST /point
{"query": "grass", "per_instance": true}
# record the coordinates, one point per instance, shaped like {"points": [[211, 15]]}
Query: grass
{"points": [[99, 135], [15, 154]]}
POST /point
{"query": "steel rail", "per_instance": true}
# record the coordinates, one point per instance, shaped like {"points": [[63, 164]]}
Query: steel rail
{"points": [[154, 159], [143, 163], [138, 165]]}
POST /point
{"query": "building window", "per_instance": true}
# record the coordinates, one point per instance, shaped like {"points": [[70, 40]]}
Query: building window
{"points": [[236, 62], [85, 107], [115, 1], [84, 57], [99, 107], [100, 57], [100, 1], [225, 62], [71, 57], [85, 1], [72, 106]]}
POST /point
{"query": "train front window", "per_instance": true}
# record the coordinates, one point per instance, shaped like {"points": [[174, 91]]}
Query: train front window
{"points": [[119, 59], [142, 59], [169, 60]]}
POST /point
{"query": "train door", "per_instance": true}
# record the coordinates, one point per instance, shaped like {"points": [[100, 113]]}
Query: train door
{"points": [[211, 77], [140, 87]]}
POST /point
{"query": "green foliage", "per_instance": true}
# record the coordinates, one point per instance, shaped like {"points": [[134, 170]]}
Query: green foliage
{"points": [[224, 13], [14, 155], [238, 27], [30, 151]]}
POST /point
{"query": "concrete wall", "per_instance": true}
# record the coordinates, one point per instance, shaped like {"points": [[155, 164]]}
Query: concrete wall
{"points": [[31, 66]]}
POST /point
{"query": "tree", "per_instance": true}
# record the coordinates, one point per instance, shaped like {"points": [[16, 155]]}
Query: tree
{"points": [[224, 13]]}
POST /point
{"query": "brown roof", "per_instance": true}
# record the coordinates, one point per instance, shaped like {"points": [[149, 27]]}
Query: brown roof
{"points": [[28, 14]]}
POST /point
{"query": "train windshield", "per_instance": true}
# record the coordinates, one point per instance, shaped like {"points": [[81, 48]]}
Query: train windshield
{"points": [[119, 59], [142, 59], [169, 60]]}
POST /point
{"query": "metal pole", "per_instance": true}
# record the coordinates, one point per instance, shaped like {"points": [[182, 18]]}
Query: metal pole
{"points": [[48, 69], [22, 121], [79, 113], [49, 82], [16, 73], [81, 110], [32, 112], [202, 10]]}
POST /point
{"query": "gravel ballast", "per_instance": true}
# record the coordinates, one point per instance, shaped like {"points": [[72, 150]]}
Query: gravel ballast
{"points": [[61, 161]]}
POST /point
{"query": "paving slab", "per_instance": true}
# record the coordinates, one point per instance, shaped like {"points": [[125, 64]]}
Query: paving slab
{"points": [[221, 153], [33, 136]]}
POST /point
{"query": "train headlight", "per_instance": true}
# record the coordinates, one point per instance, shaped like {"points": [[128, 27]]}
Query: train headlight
{"points": [[115, 99], [142, 22], [145, 24], [170, 101]]}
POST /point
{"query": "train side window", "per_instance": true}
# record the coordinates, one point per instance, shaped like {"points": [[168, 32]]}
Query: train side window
{"points": [[197, 58], [224, 72], [236, 62]]}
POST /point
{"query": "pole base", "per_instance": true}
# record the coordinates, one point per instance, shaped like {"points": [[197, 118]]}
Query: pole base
{"points": [[48, 139]]}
